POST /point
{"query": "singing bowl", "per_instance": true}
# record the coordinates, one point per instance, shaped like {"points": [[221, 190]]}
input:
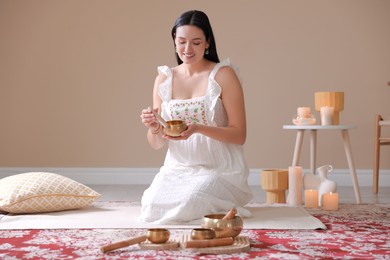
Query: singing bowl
{"points": [[202, 233], [175, 127], [158, 235], [223, 227]]}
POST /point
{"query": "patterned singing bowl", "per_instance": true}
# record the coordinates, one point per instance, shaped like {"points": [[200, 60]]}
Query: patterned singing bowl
{"points": [[223, 227], [175, 127]]}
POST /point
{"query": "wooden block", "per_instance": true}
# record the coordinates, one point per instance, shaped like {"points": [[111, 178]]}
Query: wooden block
{"points": [[275, 183]]}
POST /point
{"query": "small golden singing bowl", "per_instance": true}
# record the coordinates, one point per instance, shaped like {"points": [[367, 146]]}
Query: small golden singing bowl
{"points": [[175, 127], [202, 233], [158, 235], [223, 227]]}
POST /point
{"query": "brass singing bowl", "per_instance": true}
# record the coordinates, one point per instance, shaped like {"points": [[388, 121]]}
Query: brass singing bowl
{"points": [[223, 227], [202, 233], [175, 127], [158, 235]]}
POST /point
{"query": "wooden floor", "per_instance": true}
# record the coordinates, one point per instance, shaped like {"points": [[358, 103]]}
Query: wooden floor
{"points": [[346, 194]]}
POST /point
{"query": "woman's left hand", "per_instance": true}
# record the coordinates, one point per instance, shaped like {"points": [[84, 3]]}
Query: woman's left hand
{"points": [[185, 134]]}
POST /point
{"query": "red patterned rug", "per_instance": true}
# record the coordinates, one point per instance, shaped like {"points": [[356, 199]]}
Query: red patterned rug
{"points": [[354, 232]]}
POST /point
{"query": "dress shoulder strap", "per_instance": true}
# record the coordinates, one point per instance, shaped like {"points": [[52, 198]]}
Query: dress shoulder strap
{"points": [[165, 88]]}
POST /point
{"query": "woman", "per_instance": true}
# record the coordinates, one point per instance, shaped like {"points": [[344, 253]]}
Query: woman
{"points": [[204, 170]]}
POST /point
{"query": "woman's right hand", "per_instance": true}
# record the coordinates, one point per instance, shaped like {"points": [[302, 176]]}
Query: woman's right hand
{"points": [[149, 120]]}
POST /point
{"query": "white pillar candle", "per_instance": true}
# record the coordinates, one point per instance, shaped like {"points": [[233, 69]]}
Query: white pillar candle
{"points": [[327, 114], [311, 198], [330, 201], [295, 186], [304, 112]]}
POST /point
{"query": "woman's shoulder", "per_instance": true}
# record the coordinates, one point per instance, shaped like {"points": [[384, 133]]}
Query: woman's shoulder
{"points": [[225, 75], [225, 68]]}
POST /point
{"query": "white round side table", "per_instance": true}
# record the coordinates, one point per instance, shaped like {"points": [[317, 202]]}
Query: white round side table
{"points": [[313, 148]]}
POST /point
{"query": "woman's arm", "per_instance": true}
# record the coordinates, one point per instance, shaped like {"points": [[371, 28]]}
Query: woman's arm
{"points": [[154, 134]]}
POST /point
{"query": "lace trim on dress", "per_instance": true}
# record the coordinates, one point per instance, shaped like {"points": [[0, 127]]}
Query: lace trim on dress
{"points": [[165, 89]]}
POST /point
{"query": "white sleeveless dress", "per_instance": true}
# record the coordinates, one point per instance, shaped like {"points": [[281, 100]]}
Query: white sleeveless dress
{"points": [[200, 175]]}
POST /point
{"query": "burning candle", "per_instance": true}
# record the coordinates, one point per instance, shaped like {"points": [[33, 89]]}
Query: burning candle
{"points": [[327, 115], [311, 198], [330, 201], [304, 112], [295, 184]]}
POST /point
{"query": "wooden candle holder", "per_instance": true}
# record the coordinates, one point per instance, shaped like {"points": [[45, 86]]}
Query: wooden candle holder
{"points": [[275, 183], [330, 99]]}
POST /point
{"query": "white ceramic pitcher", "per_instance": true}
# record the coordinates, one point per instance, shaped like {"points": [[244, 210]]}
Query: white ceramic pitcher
{"points": [[323, 171], [313, 181], [325, 185]]}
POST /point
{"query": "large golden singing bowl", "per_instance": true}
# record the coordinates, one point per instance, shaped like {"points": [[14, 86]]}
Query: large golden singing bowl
{"points": [[175, 127], [202, 233], [158, 235], [223, 227]]}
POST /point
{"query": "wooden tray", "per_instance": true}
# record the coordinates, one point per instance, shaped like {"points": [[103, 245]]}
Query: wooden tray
{"points": [[147, 245], [240, 244]]}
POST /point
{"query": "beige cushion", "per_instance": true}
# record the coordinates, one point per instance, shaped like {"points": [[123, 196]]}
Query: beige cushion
{"points": [[35, 192]]}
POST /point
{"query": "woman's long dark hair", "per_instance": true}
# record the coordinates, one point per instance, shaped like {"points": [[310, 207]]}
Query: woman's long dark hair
{"points": [[200, 20]]}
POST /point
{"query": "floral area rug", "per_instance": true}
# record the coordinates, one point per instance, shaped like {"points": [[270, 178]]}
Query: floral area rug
{"points": [[354, 232]]}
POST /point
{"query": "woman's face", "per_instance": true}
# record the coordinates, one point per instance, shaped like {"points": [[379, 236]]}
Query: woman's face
{"points": [[190, 43]]}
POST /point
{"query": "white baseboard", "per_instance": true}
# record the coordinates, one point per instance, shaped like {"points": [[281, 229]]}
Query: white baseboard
{"points": [[144, 176]]}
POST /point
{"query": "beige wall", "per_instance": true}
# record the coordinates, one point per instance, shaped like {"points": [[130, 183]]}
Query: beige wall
{"points": [[75, 74]]}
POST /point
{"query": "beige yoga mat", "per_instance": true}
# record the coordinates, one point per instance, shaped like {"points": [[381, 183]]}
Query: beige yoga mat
{"points": [[126, 216]]}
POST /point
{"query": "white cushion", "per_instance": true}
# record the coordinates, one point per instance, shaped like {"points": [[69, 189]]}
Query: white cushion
{"points": [[35, 192]]}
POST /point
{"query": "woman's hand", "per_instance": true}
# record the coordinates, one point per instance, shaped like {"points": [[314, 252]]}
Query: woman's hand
{"points": [[149, 120], [191, 129], [154, 134]]}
